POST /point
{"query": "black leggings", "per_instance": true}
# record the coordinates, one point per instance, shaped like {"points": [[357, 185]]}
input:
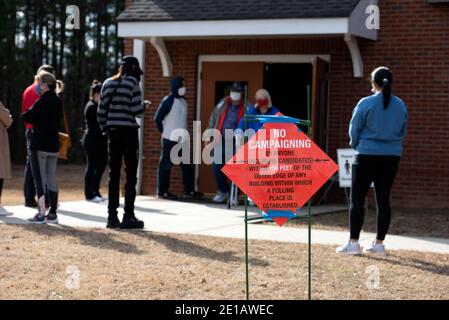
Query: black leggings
{"points": [[382, 171], [97, 160], [1, 188]]}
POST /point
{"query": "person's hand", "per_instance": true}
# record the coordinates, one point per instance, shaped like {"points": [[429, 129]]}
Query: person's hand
{"points": [[146, 104]]}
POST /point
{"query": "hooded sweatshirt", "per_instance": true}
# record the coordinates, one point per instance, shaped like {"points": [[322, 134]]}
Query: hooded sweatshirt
{"points": [[172, 112]]}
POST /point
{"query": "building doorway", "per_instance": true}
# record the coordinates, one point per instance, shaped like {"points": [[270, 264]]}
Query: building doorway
{"points": [[287, 82]]}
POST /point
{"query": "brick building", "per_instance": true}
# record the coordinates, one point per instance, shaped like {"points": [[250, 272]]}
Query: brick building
{"points": [[286, 45]]}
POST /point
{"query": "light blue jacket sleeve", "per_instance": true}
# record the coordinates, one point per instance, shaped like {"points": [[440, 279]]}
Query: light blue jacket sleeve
{"points": [[356, 125]]}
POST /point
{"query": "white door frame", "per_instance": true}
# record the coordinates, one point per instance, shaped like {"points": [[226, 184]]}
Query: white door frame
{"points": [[275, 58]]}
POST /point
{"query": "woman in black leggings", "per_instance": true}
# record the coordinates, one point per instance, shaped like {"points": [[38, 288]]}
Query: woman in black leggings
{"points": [[95, 146], [377, 131]]}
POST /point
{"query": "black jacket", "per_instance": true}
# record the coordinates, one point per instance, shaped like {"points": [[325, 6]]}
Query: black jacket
{"points": [[45, 116], [93, 130]]}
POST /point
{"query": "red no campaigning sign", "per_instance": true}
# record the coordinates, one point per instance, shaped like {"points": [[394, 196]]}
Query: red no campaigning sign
{"points": [[280, 169]]}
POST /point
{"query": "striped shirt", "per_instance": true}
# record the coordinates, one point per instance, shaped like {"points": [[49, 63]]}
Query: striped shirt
{"points": [[125, 105]]}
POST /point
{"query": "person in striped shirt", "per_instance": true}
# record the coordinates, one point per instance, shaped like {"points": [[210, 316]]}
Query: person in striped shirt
{"points": [[120, 105]]}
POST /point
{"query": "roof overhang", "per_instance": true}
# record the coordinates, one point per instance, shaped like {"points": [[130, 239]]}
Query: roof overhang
{"points": [[348, 27], [234, 28]]}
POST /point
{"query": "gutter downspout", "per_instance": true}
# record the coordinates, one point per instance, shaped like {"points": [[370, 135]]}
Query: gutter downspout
{"points": [[139, 53]]}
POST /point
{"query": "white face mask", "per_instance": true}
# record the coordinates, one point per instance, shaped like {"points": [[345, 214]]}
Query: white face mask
{"points": [[182, 91], [236, 96]]}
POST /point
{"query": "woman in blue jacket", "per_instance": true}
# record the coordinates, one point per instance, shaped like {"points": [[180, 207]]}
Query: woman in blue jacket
{"points": [[263, 106], [377, 131]]}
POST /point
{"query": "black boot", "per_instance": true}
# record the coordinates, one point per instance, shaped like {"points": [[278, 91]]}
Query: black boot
{"points": [[131, 222], [52, 217], [113, 221]]}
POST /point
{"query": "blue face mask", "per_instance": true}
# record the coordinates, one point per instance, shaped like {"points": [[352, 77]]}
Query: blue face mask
{"points": [[38, 90]]}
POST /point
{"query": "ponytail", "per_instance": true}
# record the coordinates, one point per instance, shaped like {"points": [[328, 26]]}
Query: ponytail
{"points": [[383, 78], [386, 91]]}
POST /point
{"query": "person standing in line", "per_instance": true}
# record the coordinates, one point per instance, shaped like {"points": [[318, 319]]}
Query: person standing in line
{"points": [[29, 97], [95, 146], [262, 107], [45, 116], [226, 116], [377, 131], [5, 160], [171, 116], [120, 104]]}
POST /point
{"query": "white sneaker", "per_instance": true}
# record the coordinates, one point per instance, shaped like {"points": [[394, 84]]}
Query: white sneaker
{"points": [[4, 213], [350, 248], [96, 200], [251, 203], [374, 248], [220, 197]]}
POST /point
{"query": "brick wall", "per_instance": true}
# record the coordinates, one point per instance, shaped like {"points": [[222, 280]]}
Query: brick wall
{"points": [[413, 41]]}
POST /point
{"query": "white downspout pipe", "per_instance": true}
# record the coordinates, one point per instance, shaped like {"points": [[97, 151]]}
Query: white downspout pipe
{"points": [[139, 53]]}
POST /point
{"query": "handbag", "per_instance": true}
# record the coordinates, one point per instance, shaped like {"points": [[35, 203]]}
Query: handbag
{"points": [[64, 139]]}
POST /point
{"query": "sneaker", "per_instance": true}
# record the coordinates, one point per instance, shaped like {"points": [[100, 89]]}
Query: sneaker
{"points": [[38, 219], [220, 197], [52, 218], [95, 199], [168, 196], [131, 223], [374, 248], [193, 195], [113, 222], [4, 213], [103, 198], [350, 249]]}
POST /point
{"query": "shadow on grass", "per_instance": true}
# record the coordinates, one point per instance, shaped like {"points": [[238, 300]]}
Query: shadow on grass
{"points": [[439, 269], [195, 250], [405, 222], [88, 237]]}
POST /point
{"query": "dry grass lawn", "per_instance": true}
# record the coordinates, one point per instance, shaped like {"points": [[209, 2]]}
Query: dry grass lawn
{"points": [[139, 265], [407, 222]]}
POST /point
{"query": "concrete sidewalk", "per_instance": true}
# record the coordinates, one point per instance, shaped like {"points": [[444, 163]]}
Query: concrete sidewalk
{"points": [[217, 221]]}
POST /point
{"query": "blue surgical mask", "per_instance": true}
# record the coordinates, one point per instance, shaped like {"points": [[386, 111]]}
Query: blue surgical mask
{"points": [[38, 90]]}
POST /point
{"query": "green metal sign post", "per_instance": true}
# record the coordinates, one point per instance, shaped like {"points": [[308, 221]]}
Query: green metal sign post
{"points": [[308, 124]]}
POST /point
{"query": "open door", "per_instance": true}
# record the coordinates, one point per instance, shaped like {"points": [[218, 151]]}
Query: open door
{"points": [[216, 80], [320, 94]]}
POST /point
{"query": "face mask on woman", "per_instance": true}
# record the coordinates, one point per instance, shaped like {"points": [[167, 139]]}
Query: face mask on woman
{"points": [[262, 103], [182, 91]]}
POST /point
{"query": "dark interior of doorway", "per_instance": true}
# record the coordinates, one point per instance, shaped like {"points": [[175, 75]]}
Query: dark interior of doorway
{"points": [[287, 84]]}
